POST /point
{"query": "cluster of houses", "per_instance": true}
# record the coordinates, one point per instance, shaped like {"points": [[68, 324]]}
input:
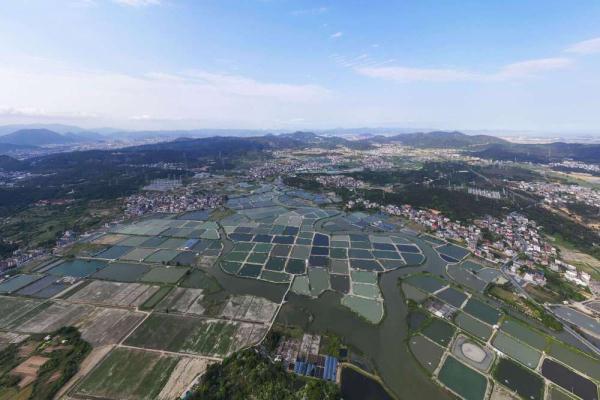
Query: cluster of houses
{"points": [[169, 202], [558, 195], [340, 181]]}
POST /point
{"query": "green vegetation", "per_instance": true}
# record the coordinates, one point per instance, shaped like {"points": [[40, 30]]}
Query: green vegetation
{"points": [[527, 307], [579, 236], [129, 373], [6, 248], [42, 226], [248, 375], [64, 352]]}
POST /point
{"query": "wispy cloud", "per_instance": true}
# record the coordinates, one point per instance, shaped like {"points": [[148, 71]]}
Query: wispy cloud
{"points": [[138, 3], [590, 46], [45, 90], [522, 69], [310, 11], [530, 68], [405, 74], [337, 35]]}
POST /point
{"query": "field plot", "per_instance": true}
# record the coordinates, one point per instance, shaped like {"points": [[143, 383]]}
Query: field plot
{"points": [[114, 252], [472, 353], [250, 308], [43, 288], [412, 259], [194, 335], [186, 301], [579, 319], [569, 380], [466, 278], [114, 294], [425, 282], [319, 280], [168, 275], [463, 380], [521, 352], [122, 272], [12, 308], [78, 268], [276, 277], [488, 274], [366, 290], [8, 338], [453, 251], [108, 325], [426, 352], [17, 282], [162, 256], [439, 331], [524, 334], [473, 326], [300, 285], [364, 277], [186, 370], [371, 310], [340, 283], [581, 362], [137, 254], [110, 238], [53, 316], [518, 379], [452, 296], [482, 311], [129, 374], [412, 293], [555, 393]]}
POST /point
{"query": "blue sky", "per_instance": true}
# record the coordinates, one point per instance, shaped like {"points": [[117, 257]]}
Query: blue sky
{"points": [[154, 64]]}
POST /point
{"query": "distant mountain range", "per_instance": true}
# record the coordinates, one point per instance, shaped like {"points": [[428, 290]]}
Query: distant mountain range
{"points": [[439, 139], [46, 137], [187, 142]]}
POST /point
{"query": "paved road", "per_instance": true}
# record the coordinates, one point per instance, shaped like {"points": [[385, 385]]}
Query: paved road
{"points": [[566, 326]]}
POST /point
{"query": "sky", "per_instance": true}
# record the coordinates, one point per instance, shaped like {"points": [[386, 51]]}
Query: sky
{"points": [[274, 64]]}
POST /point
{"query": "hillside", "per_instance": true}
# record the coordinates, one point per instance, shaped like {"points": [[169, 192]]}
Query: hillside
{"points": [[35, 137], [542, 153], [9, 164], [439, 139]]}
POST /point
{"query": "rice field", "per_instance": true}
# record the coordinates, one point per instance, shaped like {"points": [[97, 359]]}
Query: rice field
{"points": [[129, 374]]}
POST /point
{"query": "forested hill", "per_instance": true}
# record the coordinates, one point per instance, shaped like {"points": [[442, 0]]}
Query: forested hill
{"points": [[439, 139], [542, 153]]}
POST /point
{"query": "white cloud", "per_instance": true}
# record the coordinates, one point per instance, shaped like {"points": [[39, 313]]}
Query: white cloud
{"points": [[522, 69], [590, 46], [45, 90], [532, 67], [337, 35]]}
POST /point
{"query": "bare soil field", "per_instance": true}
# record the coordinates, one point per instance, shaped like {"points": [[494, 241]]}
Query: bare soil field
{"points": [[250, 308], [117, 294], [186, 371]]}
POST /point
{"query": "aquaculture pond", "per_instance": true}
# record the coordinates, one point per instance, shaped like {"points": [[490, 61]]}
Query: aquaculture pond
{"points": [[519, 379], [356, 386], [382, 343], [569, 380], [463, 380]]}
